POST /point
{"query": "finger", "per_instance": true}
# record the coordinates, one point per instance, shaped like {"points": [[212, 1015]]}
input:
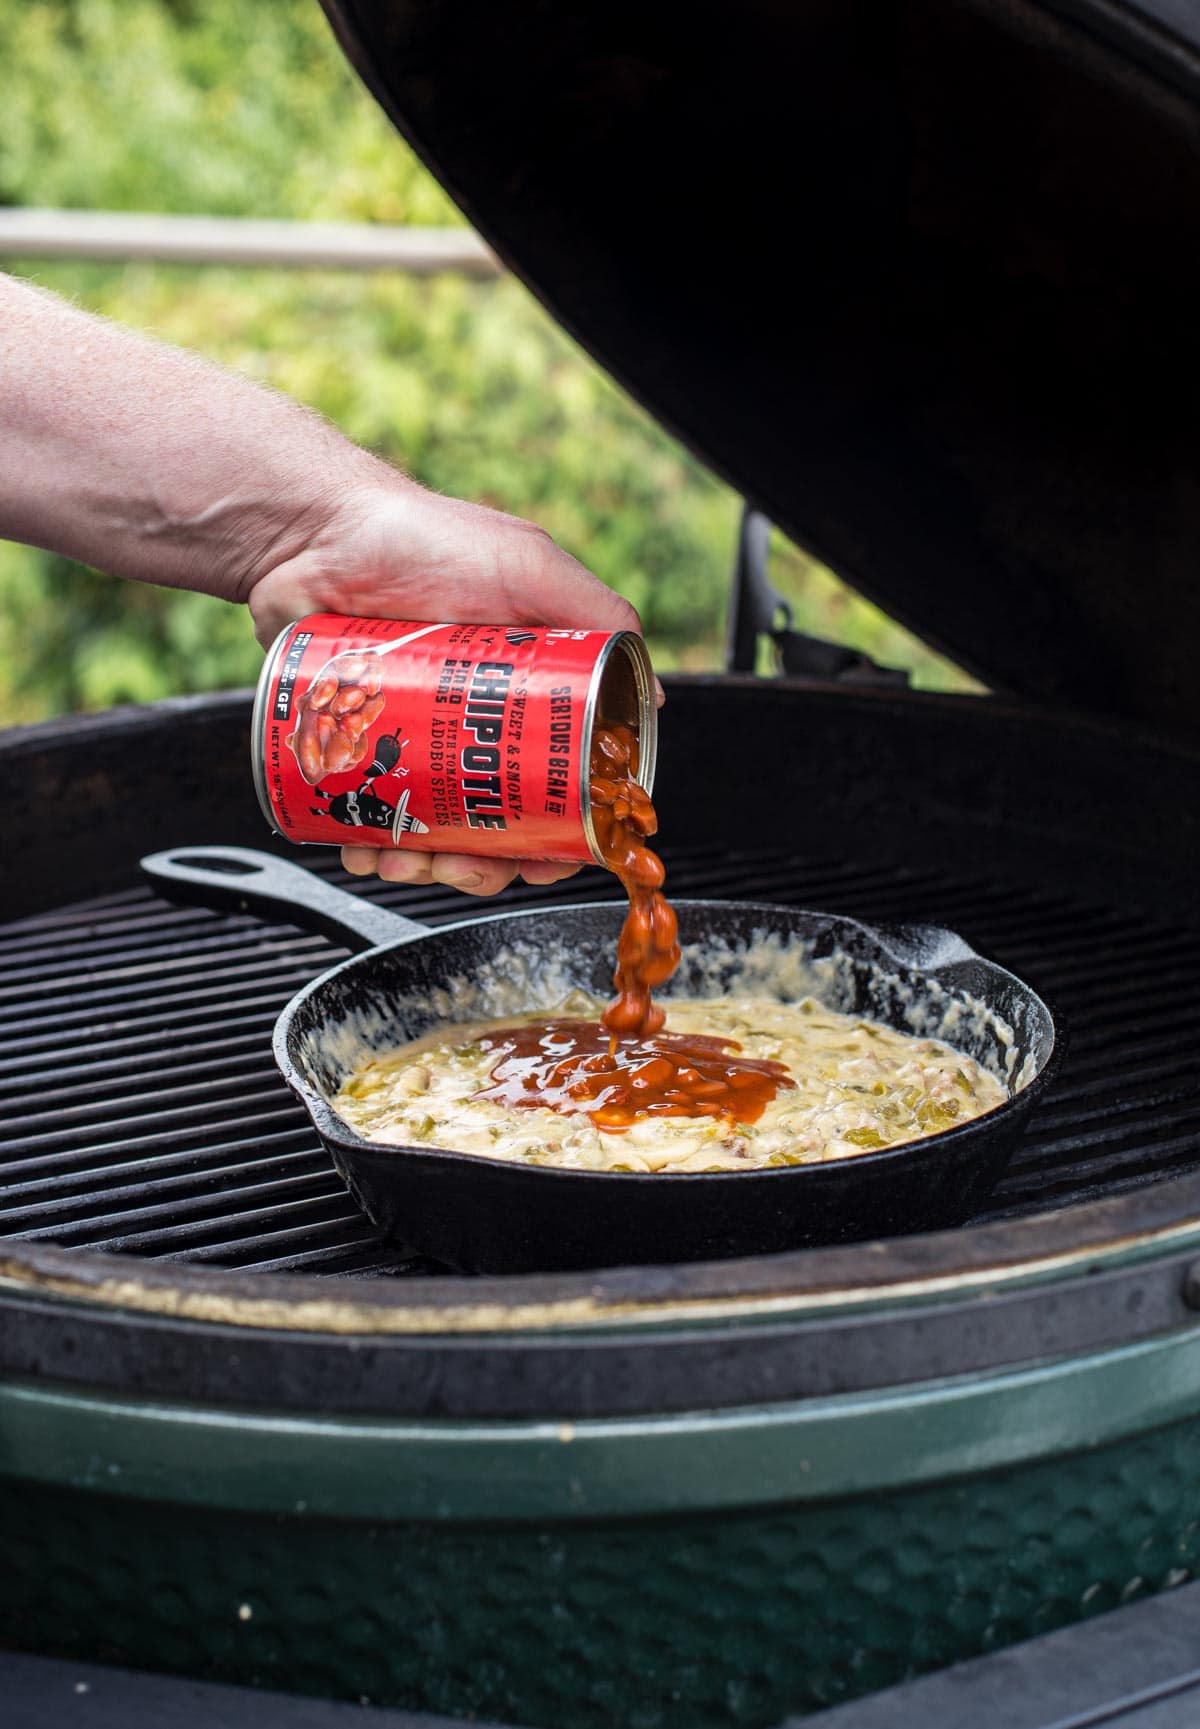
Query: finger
{"points": [[473, 876], [360, 861], [393, 867], [541, 871], [413, 868]]}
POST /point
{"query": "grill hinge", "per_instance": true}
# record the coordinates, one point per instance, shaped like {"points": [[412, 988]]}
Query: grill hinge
{"points": [[758, 609]]}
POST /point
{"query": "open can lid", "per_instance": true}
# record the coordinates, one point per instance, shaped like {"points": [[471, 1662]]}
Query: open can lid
{"points": [[921, 279]]}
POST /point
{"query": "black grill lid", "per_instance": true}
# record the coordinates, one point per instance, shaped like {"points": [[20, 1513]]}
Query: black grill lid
{"points": [[920, 277]]}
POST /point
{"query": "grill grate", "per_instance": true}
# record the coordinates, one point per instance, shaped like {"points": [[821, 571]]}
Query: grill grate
{"points": [[143, 1114]]}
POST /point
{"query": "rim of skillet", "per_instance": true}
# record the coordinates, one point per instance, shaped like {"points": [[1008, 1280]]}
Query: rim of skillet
{"points": [[336, 1130]]}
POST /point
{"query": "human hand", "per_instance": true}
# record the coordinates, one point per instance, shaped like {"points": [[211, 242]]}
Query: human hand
{"points": [[150, 464], [388, 548]]}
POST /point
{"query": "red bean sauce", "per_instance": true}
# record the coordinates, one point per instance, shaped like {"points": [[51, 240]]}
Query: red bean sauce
{"points": [[627, 1067], [574, 1065], [623, 818]]}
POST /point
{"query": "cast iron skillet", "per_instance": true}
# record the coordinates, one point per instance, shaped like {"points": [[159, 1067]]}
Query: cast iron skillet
{"points": [[490, 1216]]}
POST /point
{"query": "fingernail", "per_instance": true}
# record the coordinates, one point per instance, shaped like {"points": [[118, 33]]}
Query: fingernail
{"points": [[660, 695], [472, 881]]}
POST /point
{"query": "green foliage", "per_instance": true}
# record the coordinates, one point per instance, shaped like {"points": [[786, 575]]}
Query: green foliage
{"points": [[242, 109], [225, 107]]}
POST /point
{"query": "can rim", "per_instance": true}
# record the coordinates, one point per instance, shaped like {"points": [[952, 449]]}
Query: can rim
{"points": [[258, 726], [633, 646]]}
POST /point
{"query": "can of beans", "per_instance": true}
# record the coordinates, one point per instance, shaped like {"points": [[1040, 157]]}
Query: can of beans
{"points": [[468, 738]]}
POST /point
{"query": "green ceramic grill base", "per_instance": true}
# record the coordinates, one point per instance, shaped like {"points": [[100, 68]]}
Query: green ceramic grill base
{"points": [[698, 1622]]}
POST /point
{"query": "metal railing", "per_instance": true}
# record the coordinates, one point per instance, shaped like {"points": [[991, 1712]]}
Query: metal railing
{"points": [[120, 236]]}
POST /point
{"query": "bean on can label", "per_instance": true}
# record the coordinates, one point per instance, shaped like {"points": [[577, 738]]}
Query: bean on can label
{"points": [[469, 738]]}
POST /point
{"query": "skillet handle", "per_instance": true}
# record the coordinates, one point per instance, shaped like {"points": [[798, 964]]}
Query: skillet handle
{"points": [[924, 946], [240, 879]]}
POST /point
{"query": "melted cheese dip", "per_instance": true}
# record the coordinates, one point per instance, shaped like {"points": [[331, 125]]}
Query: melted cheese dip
{"points": [[859, 1086]]}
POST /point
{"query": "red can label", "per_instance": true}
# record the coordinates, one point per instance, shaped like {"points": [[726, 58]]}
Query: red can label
{"points": [[468, 738]]}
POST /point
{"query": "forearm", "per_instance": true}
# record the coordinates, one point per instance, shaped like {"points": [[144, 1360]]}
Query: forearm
{"points": [[151, 464]]}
